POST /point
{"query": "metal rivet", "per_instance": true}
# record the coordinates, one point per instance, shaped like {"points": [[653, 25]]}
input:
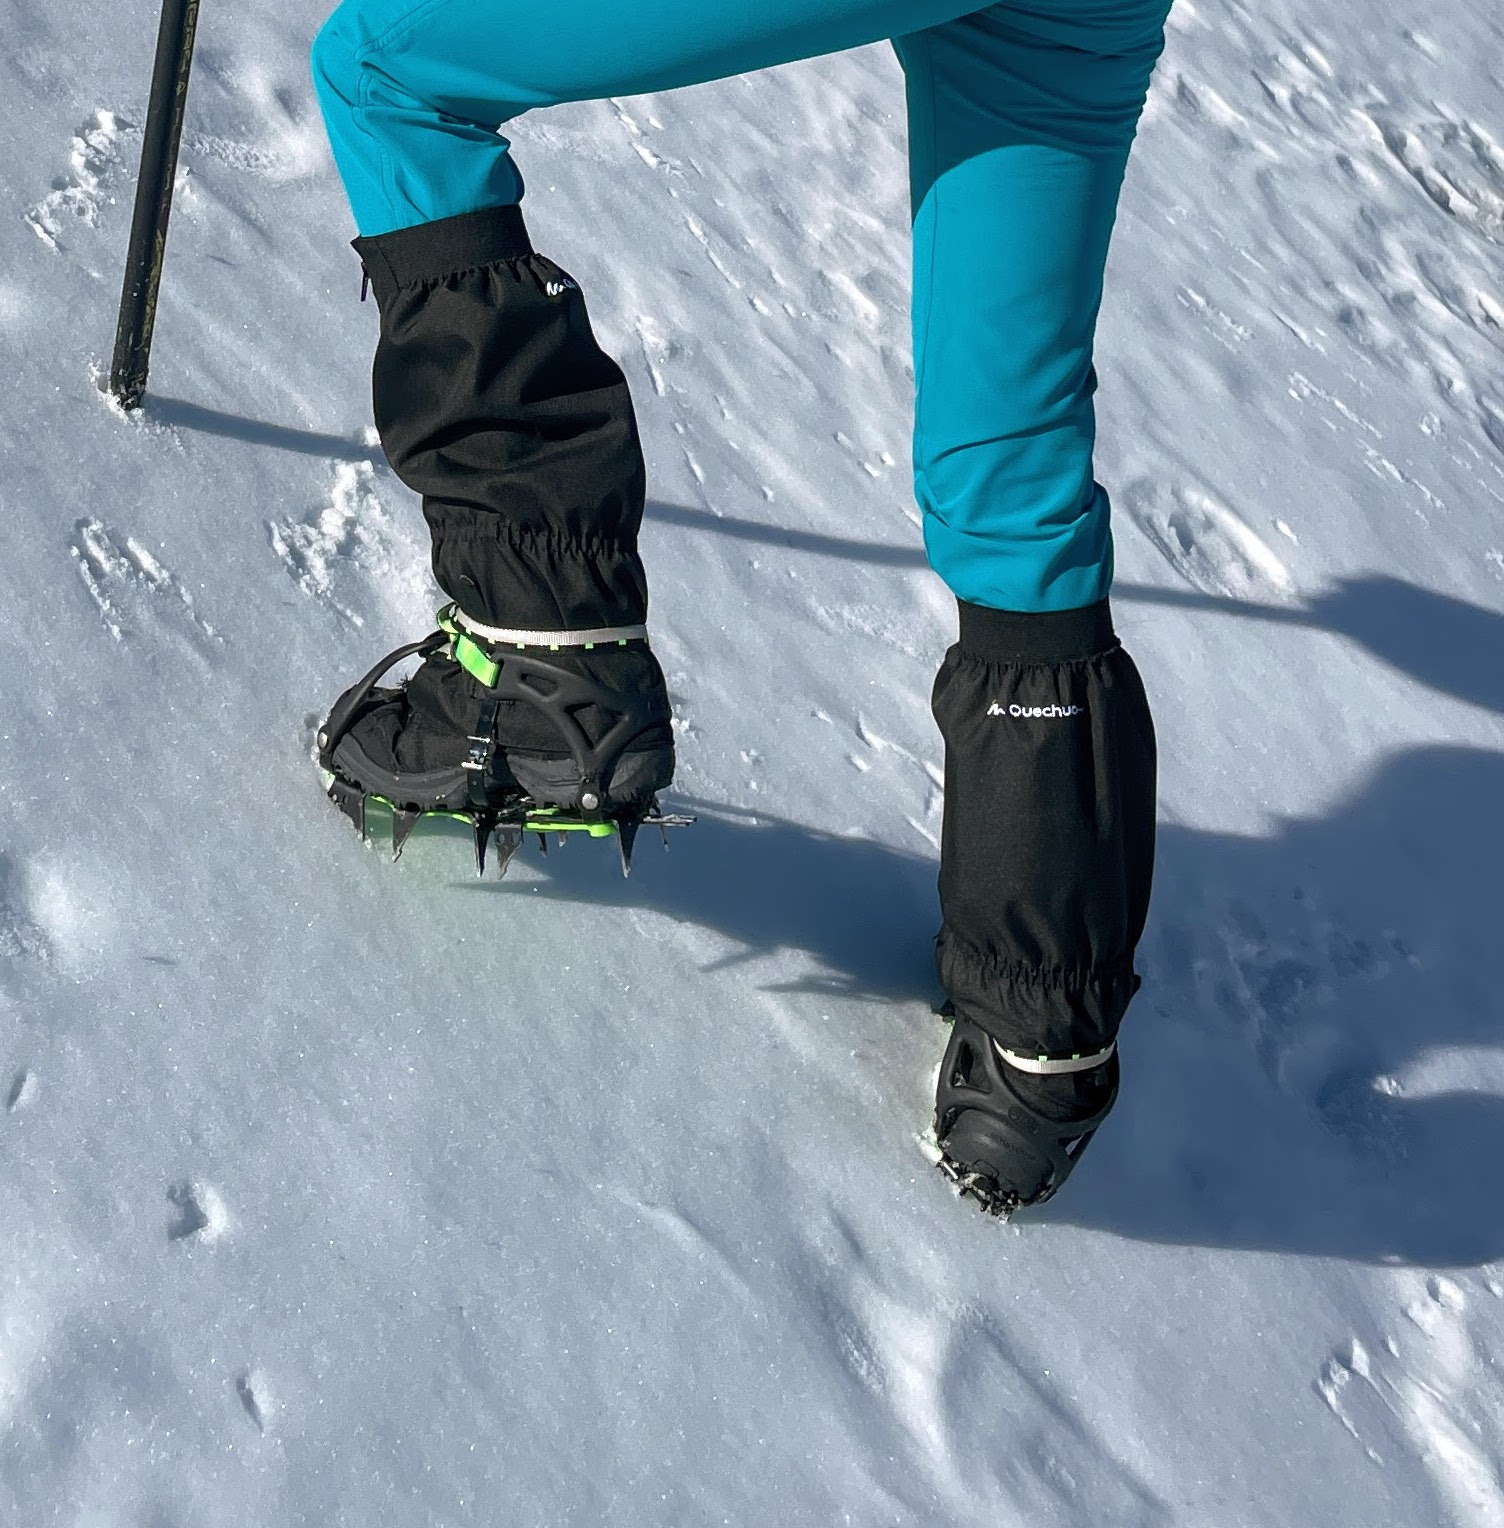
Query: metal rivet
{"points": [[590, 801]]}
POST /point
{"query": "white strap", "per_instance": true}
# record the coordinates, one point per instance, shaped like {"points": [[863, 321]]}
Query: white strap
{"points": [[1053, 1066], [601, 636]]}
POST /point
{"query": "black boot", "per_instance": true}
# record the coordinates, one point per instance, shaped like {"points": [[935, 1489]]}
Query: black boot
{"points": [[494, 401], [1009, 1137], [1045, 868]]}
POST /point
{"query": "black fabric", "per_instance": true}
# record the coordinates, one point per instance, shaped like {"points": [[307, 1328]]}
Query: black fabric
{"points": [[494, 401], [414, 733], [430, 251], [444, 704], [1050, 636], [1048, 842]]}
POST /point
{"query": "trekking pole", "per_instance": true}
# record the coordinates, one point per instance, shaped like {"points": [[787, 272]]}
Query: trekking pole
{"points": [[159, 161]]}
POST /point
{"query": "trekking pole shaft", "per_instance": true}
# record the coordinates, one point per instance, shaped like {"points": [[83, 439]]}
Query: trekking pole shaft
{"points": [[159, 160]]}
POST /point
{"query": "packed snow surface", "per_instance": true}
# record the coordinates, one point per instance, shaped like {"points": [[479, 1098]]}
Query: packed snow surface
{"points": [[333, 1192]]}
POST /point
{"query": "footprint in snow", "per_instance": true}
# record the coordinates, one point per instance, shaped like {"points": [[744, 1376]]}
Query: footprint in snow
{"points": [[131, 586], [254, 1399], [22, 937], [75, 198], [1360, 1108], [348, 545], [1208, 544], [926, 1369], [21, 1091], [1456, 162], [1432, 1391], [1286, 981], [1300, 91], [199, 1213]]}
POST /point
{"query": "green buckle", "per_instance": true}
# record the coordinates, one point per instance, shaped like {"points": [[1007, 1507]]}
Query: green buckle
{"points": [[466, 651], [474, 658]]}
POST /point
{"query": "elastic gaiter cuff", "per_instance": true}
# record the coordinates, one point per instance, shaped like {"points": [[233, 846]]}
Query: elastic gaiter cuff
{"points": [[1048, 842], [494, 401]]}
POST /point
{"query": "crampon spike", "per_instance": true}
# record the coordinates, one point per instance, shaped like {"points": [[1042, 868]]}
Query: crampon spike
{"points": [[626, 836], [482, 840], [508, 842], [974, 1185], [352, 802], [403, 824], [543, 845]]}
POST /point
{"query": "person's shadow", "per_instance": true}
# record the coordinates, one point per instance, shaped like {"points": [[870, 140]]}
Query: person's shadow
{"points": [[1444, 641]]}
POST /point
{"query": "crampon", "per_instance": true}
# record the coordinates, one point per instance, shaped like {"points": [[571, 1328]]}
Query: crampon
{"points": [[1011, 1128], [502, 795]]}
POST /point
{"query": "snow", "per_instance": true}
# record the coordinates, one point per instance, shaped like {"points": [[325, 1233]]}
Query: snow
{"points": [[337, 1192]]}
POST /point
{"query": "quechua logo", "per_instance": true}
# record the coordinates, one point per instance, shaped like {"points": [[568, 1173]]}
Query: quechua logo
{"points": [[1040, 713]]}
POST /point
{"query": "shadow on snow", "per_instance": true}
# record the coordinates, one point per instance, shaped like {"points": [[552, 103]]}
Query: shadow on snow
{"points": [[865, 913], [1276, 1092], [1444, 642], [1277, 1095]]}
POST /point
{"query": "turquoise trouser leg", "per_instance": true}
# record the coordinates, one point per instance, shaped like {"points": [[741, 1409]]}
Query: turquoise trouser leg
{"points": [[1021, 118]]}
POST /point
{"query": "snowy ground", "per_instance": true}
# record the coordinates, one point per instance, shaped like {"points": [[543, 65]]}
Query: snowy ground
{"points": [[333, 1193]]}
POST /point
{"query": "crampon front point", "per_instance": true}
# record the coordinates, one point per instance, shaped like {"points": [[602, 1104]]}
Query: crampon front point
{"points": [[978, 1186]]}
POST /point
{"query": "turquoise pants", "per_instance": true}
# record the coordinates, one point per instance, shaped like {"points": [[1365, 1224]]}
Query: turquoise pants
{"points": [[1020, 121]]}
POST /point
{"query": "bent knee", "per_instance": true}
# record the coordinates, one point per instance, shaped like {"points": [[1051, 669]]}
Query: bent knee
{"points": [[1139, 33], [1123, 29], [335, 59], [1105, 29]]}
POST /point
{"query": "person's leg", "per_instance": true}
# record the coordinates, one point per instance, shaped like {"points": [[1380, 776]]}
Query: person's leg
{"points": [[1017, 113], [492, 398], [413, 90], [1021, 118]]}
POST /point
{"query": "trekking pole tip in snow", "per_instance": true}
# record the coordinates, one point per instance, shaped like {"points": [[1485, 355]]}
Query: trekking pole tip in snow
{"points": [[148, 241]]}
